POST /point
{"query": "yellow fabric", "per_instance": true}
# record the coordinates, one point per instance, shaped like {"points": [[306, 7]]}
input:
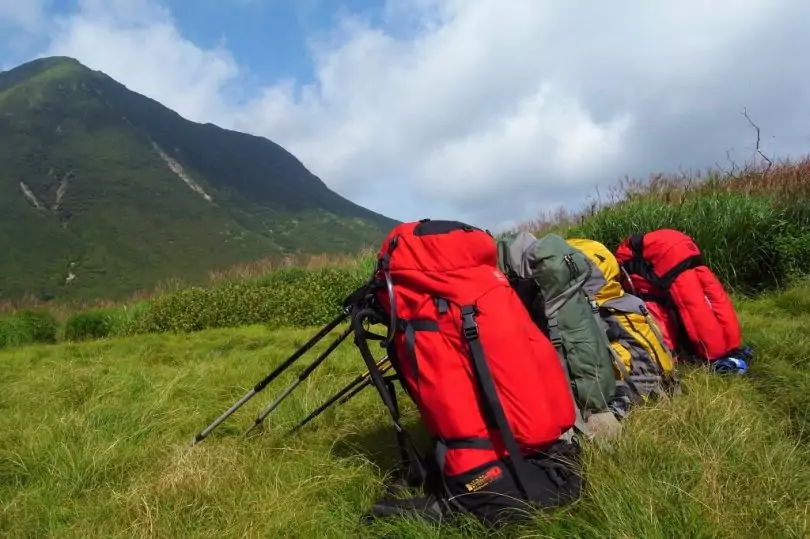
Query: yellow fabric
{"points": [[640, 328], [607, 264], [624, 355]]}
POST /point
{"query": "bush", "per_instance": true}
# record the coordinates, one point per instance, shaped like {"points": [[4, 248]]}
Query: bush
{"points": [[28, 327], [290, 297], [752, 243], [88, 325]]}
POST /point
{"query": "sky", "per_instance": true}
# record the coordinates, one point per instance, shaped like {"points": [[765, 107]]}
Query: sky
{"points": [[487, 111]]}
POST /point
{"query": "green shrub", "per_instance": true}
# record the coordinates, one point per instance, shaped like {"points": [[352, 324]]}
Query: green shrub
{"points": [[27, 327], [41, 325], [290, 297], [88, 325]]}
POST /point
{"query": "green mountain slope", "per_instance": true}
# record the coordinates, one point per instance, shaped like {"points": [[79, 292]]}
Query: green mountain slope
{"points": [[104, 191]]}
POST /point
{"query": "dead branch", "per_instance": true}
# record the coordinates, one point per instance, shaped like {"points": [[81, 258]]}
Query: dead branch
{"points": [[757, 149]]}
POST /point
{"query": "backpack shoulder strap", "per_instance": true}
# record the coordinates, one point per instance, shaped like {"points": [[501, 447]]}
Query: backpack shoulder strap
{"points": [[493, 403]]}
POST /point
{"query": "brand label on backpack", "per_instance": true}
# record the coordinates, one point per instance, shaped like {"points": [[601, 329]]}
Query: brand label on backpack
{"points": [[484, 479]]}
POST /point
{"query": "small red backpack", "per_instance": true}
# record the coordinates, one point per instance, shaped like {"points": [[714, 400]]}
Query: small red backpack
{"points": [[488, 384], [666, 269]]}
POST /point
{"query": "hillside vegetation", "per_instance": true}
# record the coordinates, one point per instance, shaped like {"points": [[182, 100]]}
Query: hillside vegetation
{"points": [[752, 226], [96, 433], [104, 192]]}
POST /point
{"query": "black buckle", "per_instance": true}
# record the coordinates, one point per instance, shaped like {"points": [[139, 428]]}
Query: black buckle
{"points": [[468, 327]]}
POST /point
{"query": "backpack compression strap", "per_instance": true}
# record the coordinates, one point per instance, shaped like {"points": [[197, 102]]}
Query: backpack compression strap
{"points": [[496, 414]]}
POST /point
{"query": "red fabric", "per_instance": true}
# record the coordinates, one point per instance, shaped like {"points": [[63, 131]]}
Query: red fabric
{"points": [[461, 267], [667, 323], [705, 310]]}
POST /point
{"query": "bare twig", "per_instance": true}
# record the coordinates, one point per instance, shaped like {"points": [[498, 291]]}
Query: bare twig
{"points": [[757, 150]]}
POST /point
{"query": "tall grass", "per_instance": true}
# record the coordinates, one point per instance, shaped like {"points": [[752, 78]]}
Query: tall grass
{"points": [[257, 269], [27, 327], [751, 243]]}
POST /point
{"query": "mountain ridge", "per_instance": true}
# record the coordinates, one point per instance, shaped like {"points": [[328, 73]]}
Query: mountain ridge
{"points": [[121, 192]]}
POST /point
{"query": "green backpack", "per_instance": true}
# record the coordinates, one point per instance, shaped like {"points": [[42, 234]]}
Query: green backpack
{"points": [[560, 272]]}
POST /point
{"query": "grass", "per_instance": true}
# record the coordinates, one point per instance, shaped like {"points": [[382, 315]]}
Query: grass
{"points": [[95, 434]]}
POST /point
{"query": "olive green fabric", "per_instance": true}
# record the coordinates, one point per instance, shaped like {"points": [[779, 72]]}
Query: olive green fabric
{"points": [[560, 272]]}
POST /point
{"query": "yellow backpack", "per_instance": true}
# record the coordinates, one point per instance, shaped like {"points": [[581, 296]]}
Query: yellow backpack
{"points": [[642, 358]]}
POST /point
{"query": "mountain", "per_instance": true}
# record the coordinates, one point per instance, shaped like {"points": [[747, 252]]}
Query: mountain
{"points": [[104, 191]]}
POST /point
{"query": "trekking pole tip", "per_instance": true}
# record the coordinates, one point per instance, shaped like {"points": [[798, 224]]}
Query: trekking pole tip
{"points": [[250, 428]]}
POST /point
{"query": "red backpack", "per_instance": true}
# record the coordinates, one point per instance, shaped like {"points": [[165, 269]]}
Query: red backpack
{"points": [[667, 271], [489, 386]]}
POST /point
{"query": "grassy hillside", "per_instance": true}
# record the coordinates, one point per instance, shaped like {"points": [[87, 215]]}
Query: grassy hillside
{"points": [[95, 433], [104, 192], [95, 437]]}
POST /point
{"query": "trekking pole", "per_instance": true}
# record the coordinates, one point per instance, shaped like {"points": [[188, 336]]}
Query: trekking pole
{"points": [[342, 396], [295, 383], [365, 384], [270, 377]]}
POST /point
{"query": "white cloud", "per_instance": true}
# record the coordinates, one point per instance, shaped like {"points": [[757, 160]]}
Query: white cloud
{"points": [[486, 110], [26, 14]]}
